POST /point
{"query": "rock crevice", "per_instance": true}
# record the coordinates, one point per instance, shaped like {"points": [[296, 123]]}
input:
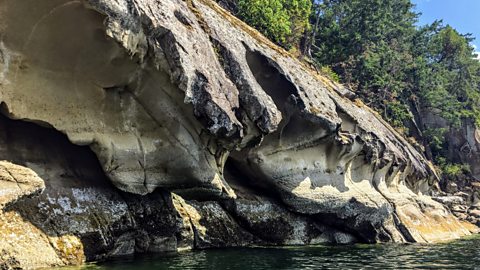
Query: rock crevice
{"points": [[142, 104]]}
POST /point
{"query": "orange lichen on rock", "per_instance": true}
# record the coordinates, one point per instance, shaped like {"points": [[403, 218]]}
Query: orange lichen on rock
{"points": [[433, 226], [33, 247]]}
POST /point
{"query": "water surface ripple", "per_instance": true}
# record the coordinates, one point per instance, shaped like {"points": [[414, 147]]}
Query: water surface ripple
{"points": [[462, 254]]}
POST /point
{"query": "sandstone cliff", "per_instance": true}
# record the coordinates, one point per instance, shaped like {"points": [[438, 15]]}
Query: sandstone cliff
{"points": [[170, 125], [461, 193]]}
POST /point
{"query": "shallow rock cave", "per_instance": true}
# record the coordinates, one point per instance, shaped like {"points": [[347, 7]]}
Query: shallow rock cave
{"points": [[80, 201], [171, 126]]}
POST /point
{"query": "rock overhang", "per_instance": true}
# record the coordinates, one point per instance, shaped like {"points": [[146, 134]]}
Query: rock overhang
{"points": [[164, 92]]}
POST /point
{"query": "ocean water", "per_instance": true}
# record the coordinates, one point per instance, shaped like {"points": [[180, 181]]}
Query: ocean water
{"points": [[461, 254]]}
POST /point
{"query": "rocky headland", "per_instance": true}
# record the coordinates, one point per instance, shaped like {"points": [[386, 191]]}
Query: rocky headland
{"points": [[135, 126]]}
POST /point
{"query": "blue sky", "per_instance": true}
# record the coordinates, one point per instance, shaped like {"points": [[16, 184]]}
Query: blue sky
{"points": [[461, 14]]}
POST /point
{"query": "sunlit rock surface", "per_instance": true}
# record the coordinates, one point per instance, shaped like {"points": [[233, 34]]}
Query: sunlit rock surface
{"points": [[17, 182], [211, 136]]}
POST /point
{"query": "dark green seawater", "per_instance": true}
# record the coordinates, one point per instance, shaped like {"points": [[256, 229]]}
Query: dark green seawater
{"points": [[462, 254]]}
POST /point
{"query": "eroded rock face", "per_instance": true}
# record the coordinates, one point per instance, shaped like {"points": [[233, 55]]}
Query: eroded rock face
{"points": [[82, 216], [95, 92], [164, 93]]}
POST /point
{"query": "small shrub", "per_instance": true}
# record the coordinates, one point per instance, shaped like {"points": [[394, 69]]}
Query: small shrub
{"points": [[327, 71], [397, 114], [283, 21], [455, 170]]}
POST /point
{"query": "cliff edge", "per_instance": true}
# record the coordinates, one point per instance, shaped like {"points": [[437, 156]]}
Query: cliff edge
{"points": [[171, 125]]}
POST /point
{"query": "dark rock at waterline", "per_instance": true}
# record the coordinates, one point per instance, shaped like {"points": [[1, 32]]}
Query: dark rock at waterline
{"points": [[129, 111]]}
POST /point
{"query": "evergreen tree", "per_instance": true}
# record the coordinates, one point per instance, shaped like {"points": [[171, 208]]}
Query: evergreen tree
{"points": [[368, 43], [447, 81], [399, 69], [375, 47], [283, 21]]}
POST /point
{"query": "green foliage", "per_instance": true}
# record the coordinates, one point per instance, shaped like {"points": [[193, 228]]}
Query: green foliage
{"points": [[436, 140], [368, 43], [449, 77], [283, 21], [452, 170], [401, 70], [455, 170], [327, 71], [375, 48], [397, 113]]}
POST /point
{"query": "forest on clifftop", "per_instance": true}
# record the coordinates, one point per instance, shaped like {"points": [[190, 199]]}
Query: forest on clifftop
{"points": [[424, 80]]}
